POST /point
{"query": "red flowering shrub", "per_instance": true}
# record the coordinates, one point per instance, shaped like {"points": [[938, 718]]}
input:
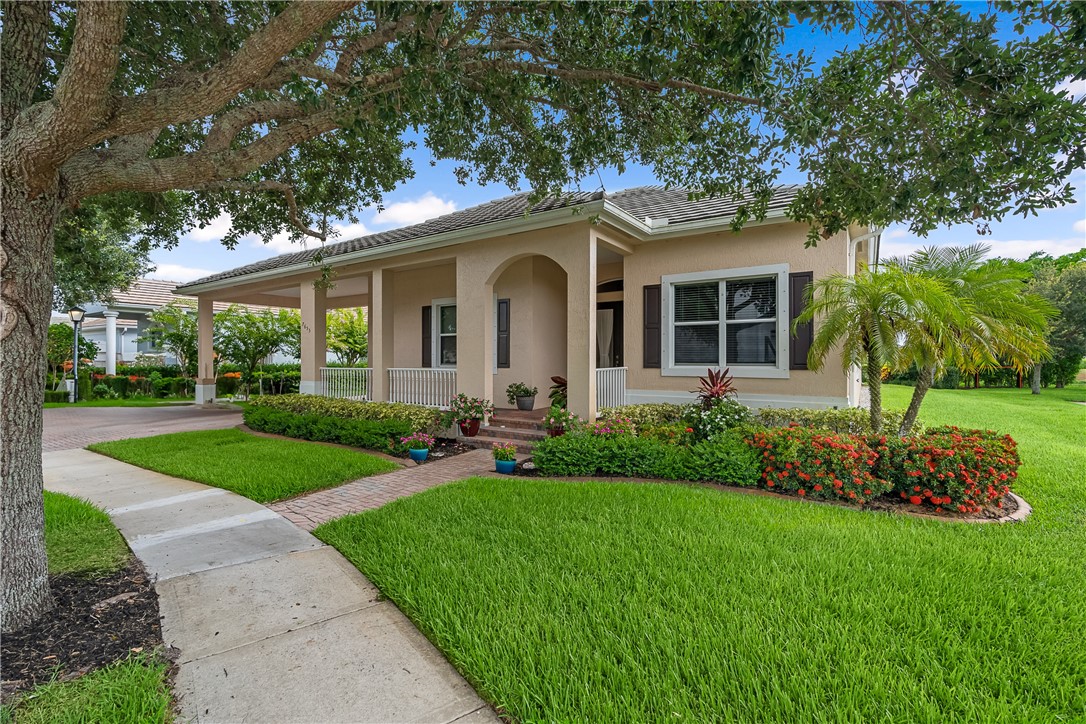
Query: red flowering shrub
{"points": [[818, 464], [948, 468]]}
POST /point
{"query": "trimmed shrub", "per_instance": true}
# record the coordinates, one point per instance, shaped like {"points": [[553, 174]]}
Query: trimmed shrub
{"points": [[370, 434], [56, 396], [647, 415], [675, 433], [819, 464], [725, 460], [417, 417], [848, 421], [948, 468]]}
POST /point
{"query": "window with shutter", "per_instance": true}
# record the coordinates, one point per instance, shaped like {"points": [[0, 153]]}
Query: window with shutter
{"points": [[503, 333], [798, 282], [427, 336], [652, 328]]}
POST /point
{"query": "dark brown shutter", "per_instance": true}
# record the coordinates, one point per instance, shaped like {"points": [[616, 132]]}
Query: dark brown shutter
{"points": [[652, 325], [798, 282], [427, 336], [503, 332]]}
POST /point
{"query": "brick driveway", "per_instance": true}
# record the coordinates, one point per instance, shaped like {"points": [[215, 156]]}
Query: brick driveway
{"points": [[67, 428]]}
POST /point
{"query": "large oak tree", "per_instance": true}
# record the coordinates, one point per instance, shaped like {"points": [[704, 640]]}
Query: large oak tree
{"points": [[287, 114]]}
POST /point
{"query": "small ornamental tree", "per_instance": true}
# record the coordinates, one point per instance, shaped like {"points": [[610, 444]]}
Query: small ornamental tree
{"points": [[284, 115], [174, 328], [247, 338], [59, 348], [348, 336]]}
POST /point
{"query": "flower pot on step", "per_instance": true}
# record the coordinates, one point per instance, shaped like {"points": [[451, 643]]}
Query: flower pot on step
{"points": [[555, 431], [418, 455], [505, 466], [526, 403], [470, 428]]}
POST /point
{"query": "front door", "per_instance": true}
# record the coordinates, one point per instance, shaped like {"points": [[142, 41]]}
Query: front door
{"points": [[609, 334]]}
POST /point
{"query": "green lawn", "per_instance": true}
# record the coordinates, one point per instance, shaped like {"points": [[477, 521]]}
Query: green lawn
{"points": [[260, 468], [79, 538], [626, 602]]}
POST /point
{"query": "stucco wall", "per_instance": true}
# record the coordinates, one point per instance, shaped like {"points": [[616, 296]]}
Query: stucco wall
{"points": [[754, 246], [411, 291]]}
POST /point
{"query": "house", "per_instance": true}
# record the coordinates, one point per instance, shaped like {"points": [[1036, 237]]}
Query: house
{"points": [[118, 326], [630, 295]]}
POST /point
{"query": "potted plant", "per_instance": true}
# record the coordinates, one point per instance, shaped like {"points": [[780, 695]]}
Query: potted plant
{"points": [[468, 413], [559, 420], [418, 445], [505, 457], [522, 394]]}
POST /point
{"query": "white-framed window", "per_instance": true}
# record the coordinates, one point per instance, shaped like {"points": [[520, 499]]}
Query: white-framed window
{"points": [[444, 336], [734, 318]]}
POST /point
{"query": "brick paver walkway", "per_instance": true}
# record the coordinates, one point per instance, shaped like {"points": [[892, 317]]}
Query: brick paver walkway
{"points": [[70, 428], [309, 511]]}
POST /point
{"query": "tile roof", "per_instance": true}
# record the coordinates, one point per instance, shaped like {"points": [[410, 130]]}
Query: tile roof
{"points": [[155, 293], [656, 202]]}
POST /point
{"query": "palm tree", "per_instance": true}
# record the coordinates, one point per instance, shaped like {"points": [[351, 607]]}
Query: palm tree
{"points": [[978, 315], [866, 314]]}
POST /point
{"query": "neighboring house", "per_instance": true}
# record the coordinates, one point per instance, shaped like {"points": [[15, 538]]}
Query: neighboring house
{"points": [[126, 318], [630, 295]]}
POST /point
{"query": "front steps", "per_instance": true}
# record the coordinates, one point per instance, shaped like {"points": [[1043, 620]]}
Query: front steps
{"points": [[521, 428]]}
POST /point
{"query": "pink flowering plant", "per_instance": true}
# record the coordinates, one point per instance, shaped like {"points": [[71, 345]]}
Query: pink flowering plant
{"points": [[612, 426], [417, 441], [559, 418], [504, 451], [463, 408]]}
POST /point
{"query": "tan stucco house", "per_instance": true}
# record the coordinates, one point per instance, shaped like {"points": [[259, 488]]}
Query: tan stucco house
{"points": [[630, 295]]}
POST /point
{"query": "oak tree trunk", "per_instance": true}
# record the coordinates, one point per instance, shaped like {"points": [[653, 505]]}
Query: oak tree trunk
{"points": [[1035, 380], [924, 380], [26, 286]]}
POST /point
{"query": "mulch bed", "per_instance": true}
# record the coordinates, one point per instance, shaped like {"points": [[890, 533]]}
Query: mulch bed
{"points": [[889, 503], [445, 447], [95, 622]]}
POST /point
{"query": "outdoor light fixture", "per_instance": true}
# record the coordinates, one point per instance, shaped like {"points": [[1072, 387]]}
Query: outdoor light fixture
{"points": [[76, 315]]}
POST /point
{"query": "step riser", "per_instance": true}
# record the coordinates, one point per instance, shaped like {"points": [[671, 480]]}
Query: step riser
{"points": [[513, 423], [486, 443], [514, 434]]}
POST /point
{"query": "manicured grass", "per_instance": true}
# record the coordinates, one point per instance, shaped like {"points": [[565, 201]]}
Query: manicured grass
{"points": [[262, 469], [133, 690], [119, 403], [626, 602], [79, 538]]}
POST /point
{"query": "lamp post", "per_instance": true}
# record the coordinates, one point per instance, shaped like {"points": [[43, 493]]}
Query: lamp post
{"points": [[76, 315]]}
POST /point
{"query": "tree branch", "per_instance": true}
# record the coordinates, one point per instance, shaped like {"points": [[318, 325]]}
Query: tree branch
{"points": [[23, 50], [276, 187], [381, 35], [226, 128]]}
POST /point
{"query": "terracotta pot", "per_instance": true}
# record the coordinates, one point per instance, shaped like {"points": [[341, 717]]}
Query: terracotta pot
{"points": [[470, 428], [555, 431], [526, 403]]}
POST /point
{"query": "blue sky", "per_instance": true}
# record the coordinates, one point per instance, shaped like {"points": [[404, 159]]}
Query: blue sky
{"points": [[434, 191]]}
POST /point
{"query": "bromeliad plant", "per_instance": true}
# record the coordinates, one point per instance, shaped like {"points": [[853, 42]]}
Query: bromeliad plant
{"points": [[716, 385], [506, 451], [417, 441]]}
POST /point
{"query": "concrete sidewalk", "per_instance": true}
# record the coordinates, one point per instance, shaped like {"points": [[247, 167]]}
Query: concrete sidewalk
{"points": [[272, 625]]}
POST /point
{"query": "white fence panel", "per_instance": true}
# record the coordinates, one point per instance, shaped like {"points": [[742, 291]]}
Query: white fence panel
{"points": [[351, 383], [610, 387], [432, 387]]}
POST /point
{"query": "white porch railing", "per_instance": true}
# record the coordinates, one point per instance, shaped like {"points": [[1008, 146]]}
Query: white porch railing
{"points": [[353, 383], [432, 387], [610, 387]]}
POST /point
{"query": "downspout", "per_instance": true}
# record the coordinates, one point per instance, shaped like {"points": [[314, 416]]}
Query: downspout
{"points": [[855, 375]]}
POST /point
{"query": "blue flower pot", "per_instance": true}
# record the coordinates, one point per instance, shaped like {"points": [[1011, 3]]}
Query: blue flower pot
{"points": [[505, 466], [418, 455]]}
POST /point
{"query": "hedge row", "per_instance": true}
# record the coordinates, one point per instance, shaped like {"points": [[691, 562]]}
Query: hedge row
{"points": [[417, 418], [371, 434], [854, 420]]}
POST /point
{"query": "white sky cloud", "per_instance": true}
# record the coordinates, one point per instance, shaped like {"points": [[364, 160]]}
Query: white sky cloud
{"points": [[404, 213], [1080, 226], [1007, 248], [895, 234], [1076, 88], [214, 231], [178, 273]]}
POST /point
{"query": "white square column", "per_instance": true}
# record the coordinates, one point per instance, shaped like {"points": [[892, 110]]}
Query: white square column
{"points": [[205, 368], [111, 341], [581, 332], [381, 323], [314, 337]]}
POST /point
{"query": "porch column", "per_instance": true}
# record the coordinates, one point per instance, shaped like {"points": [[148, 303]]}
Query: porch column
{"points": [[380, 330], [474, 332], [314, 337], [205, 368], [111, 341], [581, 331]]}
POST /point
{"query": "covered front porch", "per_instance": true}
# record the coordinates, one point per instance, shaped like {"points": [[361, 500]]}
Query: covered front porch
{"points": [[471, 318]]}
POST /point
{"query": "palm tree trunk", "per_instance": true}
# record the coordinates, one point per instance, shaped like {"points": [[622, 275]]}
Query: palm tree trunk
{"points": [[874, 388], [1035, 382], [924, 380]]}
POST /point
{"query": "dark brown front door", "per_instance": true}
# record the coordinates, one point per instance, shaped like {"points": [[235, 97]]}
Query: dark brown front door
{"points": [[609, 348]]}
